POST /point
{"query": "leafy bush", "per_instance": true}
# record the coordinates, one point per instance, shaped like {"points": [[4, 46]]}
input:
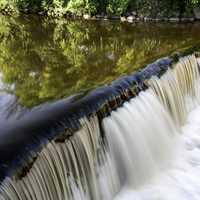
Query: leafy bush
{"points": [[29, 4], [54, 8], [57, 8], [82, 6], [196, 2], [117, 7], [7, 7]]}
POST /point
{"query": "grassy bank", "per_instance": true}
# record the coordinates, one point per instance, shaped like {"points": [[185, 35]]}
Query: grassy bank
{"points": [[137, 8]]}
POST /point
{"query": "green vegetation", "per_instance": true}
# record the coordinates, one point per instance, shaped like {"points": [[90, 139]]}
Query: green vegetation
{"points": [[163, 8], [43, 59], [117, 7], [196, 2]]}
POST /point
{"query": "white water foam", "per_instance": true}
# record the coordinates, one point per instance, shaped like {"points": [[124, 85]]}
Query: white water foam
{"points": [[182, 180]]}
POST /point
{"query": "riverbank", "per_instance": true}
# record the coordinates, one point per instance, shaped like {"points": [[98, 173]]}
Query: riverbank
{"points": [[125, 10], [128, 18]]}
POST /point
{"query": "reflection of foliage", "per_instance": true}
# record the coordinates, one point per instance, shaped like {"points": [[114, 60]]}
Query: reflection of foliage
{"points": [[43, 60], [136, 52]]}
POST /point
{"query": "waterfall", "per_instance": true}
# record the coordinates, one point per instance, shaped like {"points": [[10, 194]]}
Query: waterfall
{"points": [[129, 147], [135, 133], [177, 86]]}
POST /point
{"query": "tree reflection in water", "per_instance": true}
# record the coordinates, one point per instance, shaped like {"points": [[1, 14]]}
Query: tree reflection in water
{"points": [[43, 60]]}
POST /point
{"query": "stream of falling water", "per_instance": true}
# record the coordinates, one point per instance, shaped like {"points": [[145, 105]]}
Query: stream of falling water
{"points": [[151, 149], [156, 149], [181, 181]]}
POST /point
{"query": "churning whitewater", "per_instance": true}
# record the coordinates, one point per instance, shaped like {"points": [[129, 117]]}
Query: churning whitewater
{"points": [[181, 181], [149, 149]]}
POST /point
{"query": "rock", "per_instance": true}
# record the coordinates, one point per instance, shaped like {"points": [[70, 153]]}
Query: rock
{"points": [[147, 19], [134, 13], [26, 10], [115, 17], [141, 16], [41, 13], [187, 19], [130, 19], [123, 19], [99, 16], [105, 17], [158, 19], [174, 19], [86, 16], [197, 13], [191, 19], [127, 14]]}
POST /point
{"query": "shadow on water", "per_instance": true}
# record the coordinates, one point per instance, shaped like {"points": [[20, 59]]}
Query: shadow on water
{"points": [[43, 60]]}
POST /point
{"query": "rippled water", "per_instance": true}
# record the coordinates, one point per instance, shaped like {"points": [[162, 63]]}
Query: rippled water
{"points": [[43, 60]]}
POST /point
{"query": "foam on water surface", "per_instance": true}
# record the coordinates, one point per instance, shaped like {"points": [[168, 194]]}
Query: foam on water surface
{"points": [[182, 180]]}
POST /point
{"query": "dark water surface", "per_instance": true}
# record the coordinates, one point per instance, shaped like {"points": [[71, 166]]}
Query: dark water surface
{"points": [[43, 60]]}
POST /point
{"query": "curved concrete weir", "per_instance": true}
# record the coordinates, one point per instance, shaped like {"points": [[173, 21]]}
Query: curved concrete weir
{"points": [[119, 136]]}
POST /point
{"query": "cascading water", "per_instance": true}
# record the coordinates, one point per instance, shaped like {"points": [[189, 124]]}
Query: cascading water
{"points": [[135, 133], [130, 154], [181, 179], [177, 86]]}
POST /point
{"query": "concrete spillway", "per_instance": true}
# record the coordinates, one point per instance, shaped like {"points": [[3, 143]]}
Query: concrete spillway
{"points": [[119, 137]]}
